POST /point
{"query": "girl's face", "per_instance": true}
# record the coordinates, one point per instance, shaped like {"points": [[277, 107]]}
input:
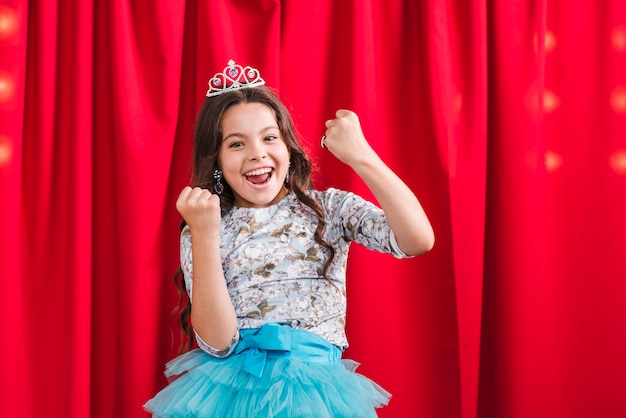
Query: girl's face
{"points": [[253, 157]]}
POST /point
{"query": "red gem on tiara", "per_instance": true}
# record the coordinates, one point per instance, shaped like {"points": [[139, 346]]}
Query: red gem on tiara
{"points": [[234, 77]]}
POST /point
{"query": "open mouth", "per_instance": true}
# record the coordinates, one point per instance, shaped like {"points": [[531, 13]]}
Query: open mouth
{"points": [[259, 176]]}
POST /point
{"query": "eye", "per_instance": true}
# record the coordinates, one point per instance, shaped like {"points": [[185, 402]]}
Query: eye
{"points": [[270, 138], [235, 144]]}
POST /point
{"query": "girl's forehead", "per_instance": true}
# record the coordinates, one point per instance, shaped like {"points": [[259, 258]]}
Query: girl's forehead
{"points": [[247, 115]]}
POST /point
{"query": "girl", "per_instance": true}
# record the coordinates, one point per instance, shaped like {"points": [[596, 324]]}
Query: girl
{"points": [[263, 256]]}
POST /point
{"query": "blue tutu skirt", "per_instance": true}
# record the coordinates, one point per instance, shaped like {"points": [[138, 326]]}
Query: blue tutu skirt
{"points": [[275, 371]]}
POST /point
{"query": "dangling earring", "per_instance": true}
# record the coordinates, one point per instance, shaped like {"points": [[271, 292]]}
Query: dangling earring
{"points": [[217, 175], [288, 171]]}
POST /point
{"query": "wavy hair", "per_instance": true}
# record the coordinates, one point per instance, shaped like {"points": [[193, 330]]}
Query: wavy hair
{"points": [[207, 144]]}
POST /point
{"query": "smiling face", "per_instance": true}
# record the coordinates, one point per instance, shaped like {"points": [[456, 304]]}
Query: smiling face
{"points": [[253, 156]]}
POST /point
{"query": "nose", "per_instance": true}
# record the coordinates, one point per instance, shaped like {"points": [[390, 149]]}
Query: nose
{"points": [[257, 151]]}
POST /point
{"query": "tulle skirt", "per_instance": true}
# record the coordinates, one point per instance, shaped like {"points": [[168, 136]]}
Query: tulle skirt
{"points": [[275, 371]]}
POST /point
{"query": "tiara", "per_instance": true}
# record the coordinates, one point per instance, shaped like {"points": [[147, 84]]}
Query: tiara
{"points": [[234, 77]]}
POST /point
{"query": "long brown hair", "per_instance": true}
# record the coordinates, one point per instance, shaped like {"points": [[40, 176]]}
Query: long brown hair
{"points": [[207, 144]]}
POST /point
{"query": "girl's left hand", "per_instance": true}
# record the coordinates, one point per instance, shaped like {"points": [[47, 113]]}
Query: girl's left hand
{"points": [[345, 139]]}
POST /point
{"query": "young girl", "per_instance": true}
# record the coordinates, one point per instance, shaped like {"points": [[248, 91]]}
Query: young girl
{"points": [[263, 255]]}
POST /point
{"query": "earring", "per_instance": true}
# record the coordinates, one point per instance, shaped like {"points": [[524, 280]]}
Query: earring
{"points": [[217, 175], [288, 171]]}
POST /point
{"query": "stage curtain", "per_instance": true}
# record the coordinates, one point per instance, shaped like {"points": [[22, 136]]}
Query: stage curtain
{"points": [[507, 119]]}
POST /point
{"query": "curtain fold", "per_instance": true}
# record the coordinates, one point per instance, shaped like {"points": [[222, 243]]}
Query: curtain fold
{"points": [[514, 252], [506, 118]]}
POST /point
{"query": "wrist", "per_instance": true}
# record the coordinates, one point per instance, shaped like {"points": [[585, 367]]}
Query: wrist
{"points": [[202, 235], [366, 161]]}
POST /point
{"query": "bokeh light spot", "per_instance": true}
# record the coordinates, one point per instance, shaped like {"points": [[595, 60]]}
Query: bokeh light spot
{"points": [[549, 41], [7, 87], [6, 150], [8, 22], [618, 99], [618, 38], [553, 161], [550, 101], [617, 162]]}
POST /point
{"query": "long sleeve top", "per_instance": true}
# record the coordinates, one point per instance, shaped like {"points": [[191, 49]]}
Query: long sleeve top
{"points": [[273, 266]]}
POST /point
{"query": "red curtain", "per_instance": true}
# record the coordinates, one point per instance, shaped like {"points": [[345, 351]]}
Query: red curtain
{"points": [[506, 118]]}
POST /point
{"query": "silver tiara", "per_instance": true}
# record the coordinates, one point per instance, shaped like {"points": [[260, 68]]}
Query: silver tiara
{"points": [[234, 77]]}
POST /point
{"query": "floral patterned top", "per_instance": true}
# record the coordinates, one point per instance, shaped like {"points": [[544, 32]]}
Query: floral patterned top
{"points": [[273, 266]]}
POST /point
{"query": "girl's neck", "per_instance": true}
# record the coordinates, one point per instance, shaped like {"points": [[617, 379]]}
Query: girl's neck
{"points": [[284, 191]]}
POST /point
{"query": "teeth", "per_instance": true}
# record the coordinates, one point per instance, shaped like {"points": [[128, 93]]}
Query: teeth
{"points": [[258, 172]]}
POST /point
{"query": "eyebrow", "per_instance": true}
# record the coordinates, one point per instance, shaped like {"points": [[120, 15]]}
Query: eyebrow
{"points": [[240, 135]]}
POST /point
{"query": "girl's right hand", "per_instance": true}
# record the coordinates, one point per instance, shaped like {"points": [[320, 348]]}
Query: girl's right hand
{"points": [[200, 209]]}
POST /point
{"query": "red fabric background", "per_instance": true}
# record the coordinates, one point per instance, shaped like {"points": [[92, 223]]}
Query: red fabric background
{"points": [[506, 118]]}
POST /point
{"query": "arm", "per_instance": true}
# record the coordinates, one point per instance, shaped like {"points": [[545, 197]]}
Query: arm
{"points": [[408, 221], [212, 314]]}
